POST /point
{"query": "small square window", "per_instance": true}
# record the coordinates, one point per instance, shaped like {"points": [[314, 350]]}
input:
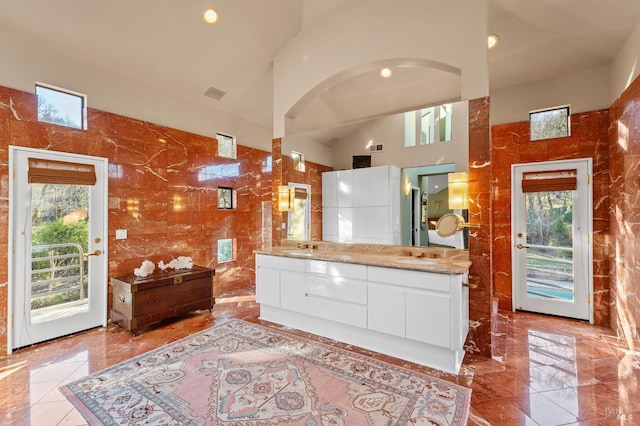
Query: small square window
{"points": [[225, 198], [298, 161], [226, 250], [226, 145], [549, 123], [62, 107]]}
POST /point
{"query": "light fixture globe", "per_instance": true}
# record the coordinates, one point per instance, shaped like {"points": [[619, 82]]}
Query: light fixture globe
{"points": [[211, 16]]}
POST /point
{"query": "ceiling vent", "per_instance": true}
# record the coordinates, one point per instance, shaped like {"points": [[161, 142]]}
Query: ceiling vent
{"points": [[214, 93], [376, 148]]}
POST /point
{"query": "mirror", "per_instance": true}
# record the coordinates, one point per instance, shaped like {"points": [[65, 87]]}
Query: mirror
{"points": [[449, 224], [337, 146]]}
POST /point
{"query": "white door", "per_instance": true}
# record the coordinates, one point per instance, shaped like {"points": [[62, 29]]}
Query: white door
{"points": [[551, 235], [58, 266]]}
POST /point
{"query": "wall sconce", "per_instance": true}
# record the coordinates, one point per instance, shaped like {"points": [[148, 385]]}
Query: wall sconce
{"points": [[286, 196], [407, 188], [458, 191]]}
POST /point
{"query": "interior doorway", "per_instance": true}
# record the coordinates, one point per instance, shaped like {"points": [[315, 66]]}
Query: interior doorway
{"points": [[552, 211], [299, 219], [58, 265]]}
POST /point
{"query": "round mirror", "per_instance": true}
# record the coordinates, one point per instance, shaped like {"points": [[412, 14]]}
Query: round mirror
{"points": [[449, 224]]}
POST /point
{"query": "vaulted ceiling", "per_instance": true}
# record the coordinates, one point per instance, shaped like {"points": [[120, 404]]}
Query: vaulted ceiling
{"points": [[165, 43]]}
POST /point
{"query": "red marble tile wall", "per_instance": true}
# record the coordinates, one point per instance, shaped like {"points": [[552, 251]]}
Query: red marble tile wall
{"points": [[511, 145], [624, 214], [283, 174], [480, 298], [172, 175]]}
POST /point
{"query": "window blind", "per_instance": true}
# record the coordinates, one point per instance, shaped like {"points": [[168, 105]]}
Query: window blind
{"points": [[554, 180], [60, 172]]}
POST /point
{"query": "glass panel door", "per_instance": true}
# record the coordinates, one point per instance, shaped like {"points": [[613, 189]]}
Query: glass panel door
{"points": [[58, 265], [551, 237]]}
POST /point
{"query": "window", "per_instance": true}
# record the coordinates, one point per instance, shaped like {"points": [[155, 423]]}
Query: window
{"points": [[421, 127], [226, 145], [226, 250], [62, 107], [426, 126], [549, 123], [298, 161]]}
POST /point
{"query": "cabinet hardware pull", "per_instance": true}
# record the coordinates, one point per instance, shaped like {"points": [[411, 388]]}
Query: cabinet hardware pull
{"points": [[121, 298]]}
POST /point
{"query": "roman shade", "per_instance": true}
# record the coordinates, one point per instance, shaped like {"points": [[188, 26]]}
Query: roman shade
{"points": [[60, 172], [553, 180]]}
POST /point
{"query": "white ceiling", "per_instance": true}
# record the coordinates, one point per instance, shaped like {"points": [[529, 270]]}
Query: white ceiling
{"points": [[165, 44]]}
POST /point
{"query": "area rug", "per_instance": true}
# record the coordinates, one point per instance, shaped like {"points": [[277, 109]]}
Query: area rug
{"points": [[244, 374]]}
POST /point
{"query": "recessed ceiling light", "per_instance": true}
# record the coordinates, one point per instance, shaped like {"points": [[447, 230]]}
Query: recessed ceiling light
{"points": [[211, 16], [385, 73], [492, 41]]}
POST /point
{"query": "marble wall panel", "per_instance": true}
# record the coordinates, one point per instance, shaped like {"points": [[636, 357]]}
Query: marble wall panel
{"points": [[162, 189], [511, 145], [624, 215], [481, 312]]}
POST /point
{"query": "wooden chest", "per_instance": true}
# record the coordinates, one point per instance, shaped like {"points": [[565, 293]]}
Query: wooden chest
{"points": [[141, 302]]}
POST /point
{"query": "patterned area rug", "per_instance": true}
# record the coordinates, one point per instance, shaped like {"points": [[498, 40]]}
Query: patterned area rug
{"points": [[240, 373]]}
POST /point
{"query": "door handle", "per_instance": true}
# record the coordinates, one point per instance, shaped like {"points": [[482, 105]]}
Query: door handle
{"points": [[520, 246], [95, 253]]}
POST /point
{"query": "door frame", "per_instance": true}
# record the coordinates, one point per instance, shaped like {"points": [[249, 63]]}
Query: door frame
{"points": [[307, 209], [11, 274], [588, 233]]}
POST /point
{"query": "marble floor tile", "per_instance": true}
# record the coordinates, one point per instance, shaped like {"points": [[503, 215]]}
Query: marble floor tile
{"points": [[544, 370]]}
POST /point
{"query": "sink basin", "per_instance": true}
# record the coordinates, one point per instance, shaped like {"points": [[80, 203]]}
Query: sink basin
{"points": [[416, 260]]}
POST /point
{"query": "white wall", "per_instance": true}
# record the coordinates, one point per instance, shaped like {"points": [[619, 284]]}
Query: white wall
{"points": [[377, 30], [626, 65], [584, 91], [311, 150], [26, 60], [390, 132]]}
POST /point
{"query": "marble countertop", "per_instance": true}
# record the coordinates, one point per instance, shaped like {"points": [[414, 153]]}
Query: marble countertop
{"points": [[423, 259]]}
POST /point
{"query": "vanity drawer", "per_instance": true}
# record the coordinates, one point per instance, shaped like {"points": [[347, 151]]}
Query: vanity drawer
{"points": [[339, 289]]}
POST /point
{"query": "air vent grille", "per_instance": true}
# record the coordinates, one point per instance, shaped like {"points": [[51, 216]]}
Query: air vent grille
{"points": [[214, 93]]}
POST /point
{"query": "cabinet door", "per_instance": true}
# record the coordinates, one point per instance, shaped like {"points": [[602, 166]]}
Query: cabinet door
{"points": [[293, 290], [380, 186], [386, 310], [330, 223], [362, 187], [329, 189], [429, 317], [268, 286], [344, 188]]}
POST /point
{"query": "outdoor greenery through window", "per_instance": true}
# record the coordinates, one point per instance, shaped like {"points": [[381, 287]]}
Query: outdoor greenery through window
{"points": [[226, 250], [549, 123], [61, 107], [60, 229]]}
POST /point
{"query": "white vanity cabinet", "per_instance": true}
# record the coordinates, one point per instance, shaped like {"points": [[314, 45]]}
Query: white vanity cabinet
{"points": [[417, 316], [271, 271], [362, 205]]}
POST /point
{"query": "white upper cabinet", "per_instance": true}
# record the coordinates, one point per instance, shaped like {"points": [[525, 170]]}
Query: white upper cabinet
{"points": [[368, 202]]}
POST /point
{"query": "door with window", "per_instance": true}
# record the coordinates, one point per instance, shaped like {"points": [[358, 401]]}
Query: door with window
{"points": [[551, 234], [300, 216], [58, 276]]}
